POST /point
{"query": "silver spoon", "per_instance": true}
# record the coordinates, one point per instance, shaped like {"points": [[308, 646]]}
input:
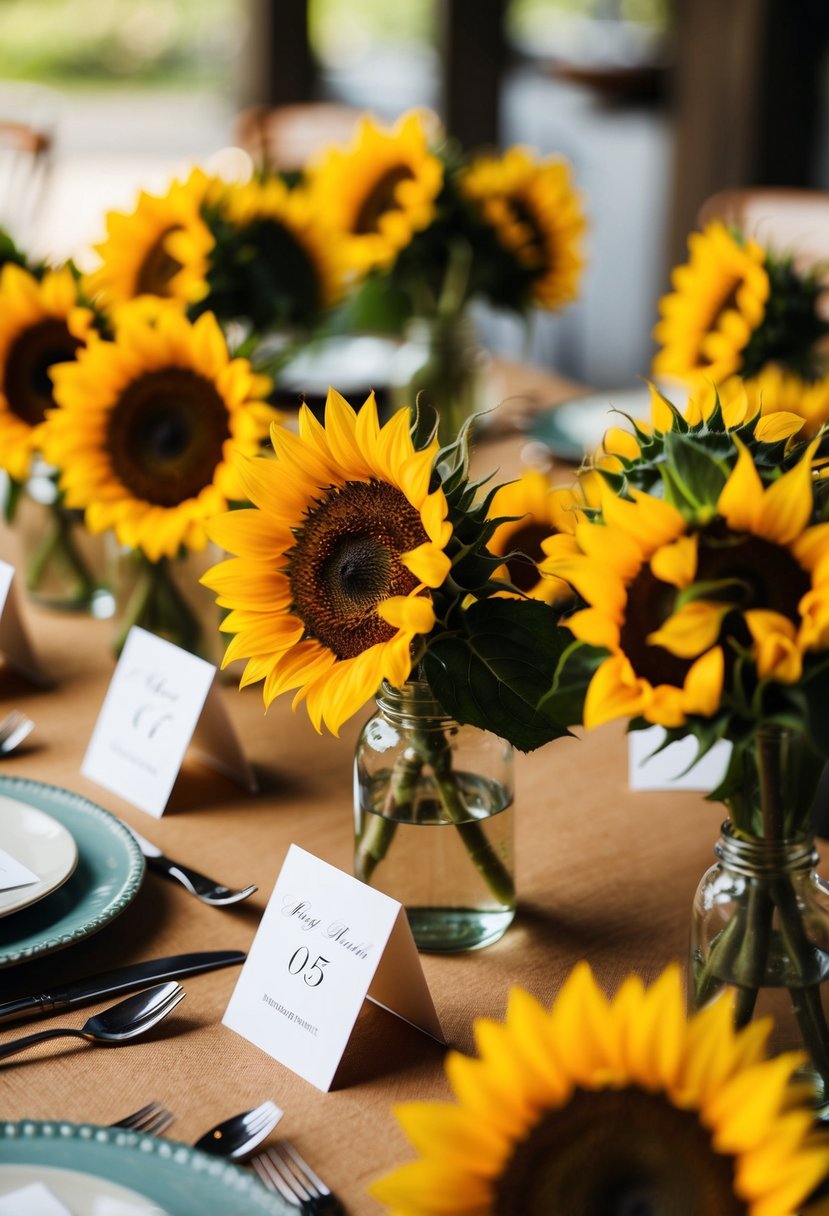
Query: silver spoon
{"points": [[13, 730], [239, 1135], [118, 1024]]}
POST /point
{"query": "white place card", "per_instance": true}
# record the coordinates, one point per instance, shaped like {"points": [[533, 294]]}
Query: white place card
{"points": [[15, 644], [674, 767], [160, 699], [13, 873], [34, 1199], [324, 944]]}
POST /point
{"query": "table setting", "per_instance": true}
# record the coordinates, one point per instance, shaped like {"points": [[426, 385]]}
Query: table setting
{"points": [[318, 826]]}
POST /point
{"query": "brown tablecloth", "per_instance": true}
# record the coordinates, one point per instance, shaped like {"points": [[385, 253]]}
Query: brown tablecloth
{"points": [[602, 873]]}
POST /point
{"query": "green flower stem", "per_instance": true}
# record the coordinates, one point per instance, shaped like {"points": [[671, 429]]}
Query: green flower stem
{"points": [[739, 955], [806, 998], [481, 852], [157, 605], [58, 546], [378, 830]]}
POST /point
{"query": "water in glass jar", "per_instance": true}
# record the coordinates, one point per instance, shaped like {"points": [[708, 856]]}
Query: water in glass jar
{"points": [[429, 866]]}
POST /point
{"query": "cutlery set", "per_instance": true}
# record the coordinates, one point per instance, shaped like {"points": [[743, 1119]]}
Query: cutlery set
{"points": [[155, 994], [279, 1167]]}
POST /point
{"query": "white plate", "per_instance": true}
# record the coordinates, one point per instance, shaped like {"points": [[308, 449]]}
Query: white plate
{"points": [[156, 1173], [577, 427], [41, 844], [81, 1194]]}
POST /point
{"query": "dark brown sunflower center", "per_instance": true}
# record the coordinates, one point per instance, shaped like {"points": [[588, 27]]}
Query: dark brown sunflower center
{"points": [[526, 540], [753, 573], [166, 434], [382, 198], [27, 383], [618, 1152], [347, 559], [158, 268]]}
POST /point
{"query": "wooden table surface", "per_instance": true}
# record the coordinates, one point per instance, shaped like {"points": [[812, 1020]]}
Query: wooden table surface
{"points": [[602, 873]]}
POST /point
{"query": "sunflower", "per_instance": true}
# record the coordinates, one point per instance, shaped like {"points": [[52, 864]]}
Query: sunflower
{"points": [[718, 301], [602, 1106], [540, 509], [379, 191], [672, 602], [780, 405], [162, 248], [536, 215], [330, 584], [302, 257], [773, 392], [41, 324], [147, 428]]}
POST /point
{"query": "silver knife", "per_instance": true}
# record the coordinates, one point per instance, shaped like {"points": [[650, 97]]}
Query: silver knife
{"points": [[205, 889], [121, 979]]}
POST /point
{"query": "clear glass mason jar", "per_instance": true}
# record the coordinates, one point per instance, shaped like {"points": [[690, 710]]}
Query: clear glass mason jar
{"points": [[434, 820], [64, 565], [442, 358], [760, 924], [166, 598]]}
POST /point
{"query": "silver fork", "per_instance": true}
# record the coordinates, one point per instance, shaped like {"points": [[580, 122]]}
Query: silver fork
{"points": [[205, 889], [13, 730], [152, 1119], [283, 1170]]}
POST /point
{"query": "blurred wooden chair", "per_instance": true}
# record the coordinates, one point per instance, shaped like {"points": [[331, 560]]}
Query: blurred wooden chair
{"points": [[283, 138], [788, 220]]}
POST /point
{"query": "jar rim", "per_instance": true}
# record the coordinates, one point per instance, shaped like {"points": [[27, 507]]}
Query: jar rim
{"points": [[757, 854]]}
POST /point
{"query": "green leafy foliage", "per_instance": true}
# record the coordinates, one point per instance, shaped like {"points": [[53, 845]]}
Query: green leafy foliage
{"points": [[496, 669]]}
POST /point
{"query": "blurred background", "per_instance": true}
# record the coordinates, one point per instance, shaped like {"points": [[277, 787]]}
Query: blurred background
{"points": [[657, 105]]}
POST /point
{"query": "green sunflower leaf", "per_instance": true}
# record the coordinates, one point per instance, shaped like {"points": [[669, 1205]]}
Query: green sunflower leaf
{"points": [[496, 673], [695, 473]]}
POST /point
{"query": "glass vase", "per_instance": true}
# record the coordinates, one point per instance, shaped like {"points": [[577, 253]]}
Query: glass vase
{"points": [[760, 921], [442, 362], [433, 808], [63, 564], [166, 598]]}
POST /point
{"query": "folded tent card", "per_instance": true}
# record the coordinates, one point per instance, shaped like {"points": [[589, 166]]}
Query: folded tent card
{"points": [[160, 700], [674, 767], [325, 943], [16, 646]]}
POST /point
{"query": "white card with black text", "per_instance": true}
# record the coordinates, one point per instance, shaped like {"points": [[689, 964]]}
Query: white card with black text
{"points": [[673, 768], [15, 644], [160, 699], [325, 943]]}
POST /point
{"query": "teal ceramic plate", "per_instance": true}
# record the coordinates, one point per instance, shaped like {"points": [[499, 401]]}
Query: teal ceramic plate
{"points": [[576, 428], [80, 1163], [106, 879]]}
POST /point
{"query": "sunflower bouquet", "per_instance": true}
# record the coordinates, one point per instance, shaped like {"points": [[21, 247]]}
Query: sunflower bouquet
{"points": [[258, 254], [740, 309], [703, 607], [426, 228], [363, 562]]}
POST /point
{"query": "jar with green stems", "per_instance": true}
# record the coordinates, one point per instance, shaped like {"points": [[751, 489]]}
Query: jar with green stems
{"points": [[434, 819], [760, 921]]}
